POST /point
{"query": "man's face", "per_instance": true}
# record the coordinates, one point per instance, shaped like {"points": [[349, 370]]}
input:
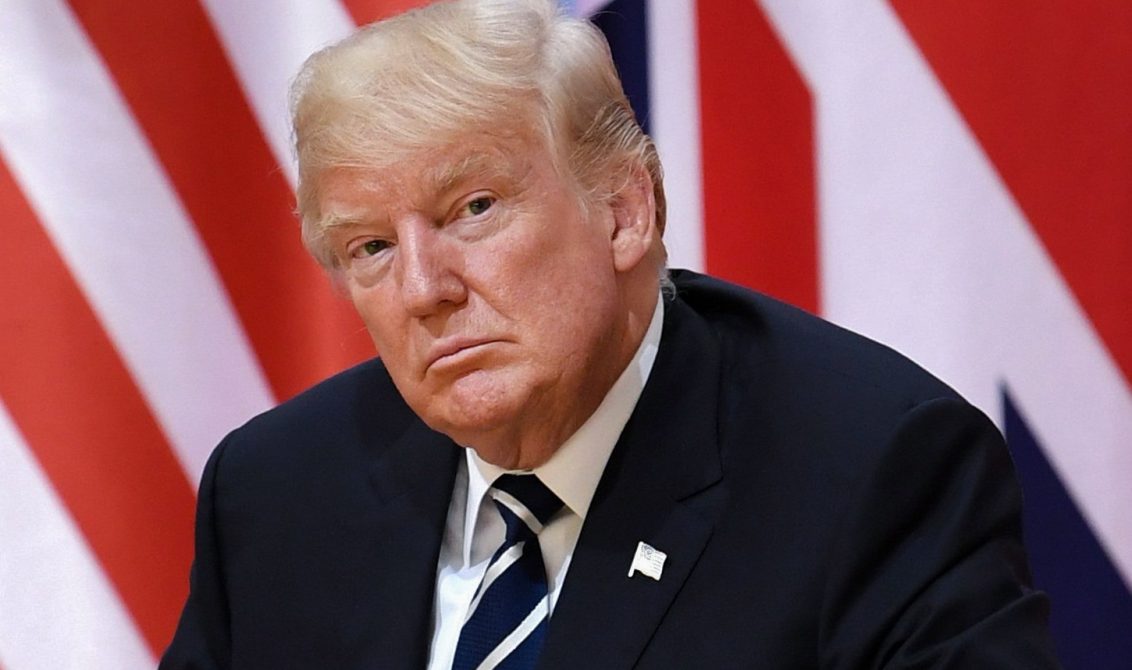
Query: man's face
{"points": [[488, 289]]}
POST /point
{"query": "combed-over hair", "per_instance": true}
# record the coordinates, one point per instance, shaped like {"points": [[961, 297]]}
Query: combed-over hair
{"points": [[432, 74]]}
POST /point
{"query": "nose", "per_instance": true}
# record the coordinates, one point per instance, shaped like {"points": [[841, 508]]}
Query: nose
{"points": [[428, 270]]}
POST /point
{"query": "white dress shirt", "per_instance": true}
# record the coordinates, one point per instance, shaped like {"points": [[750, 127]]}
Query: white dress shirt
{"points": [[475, 529]]}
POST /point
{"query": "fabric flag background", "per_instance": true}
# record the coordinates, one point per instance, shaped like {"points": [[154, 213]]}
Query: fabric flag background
{"points": [[953, 179]]}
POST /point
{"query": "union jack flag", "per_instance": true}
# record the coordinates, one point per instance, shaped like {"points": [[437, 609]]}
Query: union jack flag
{"points": [[953, 179]]}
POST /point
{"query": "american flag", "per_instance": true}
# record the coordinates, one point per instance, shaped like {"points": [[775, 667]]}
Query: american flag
{"points": [[953, 179]]}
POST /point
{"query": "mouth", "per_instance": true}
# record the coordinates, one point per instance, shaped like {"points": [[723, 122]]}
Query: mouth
{"points": [[454, 351]]}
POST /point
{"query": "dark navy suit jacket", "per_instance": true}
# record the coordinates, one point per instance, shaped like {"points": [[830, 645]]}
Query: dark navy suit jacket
{"points": [[823, 502]]}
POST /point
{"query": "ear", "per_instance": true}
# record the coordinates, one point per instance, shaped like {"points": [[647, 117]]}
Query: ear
{"points": [[634, 220]]}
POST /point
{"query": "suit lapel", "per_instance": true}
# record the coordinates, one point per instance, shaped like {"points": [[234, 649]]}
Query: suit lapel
{"points": [[412, 484], [661, 486]]}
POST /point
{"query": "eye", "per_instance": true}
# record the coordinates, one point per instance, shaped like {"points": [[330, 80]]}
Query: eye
{"points": [[369, 248], [479, 205]]}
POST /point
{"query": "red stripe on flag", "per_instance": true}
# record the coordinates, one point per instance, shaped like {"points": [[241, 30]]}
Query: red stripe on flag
{"points": [[1047, 89], [757, 134], [172, 70], [88, 426], [368, 11]]}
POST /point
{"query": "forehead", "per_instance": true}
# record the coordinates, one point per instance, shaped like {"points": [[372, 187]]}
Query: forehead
{"points": [[418, 177]]}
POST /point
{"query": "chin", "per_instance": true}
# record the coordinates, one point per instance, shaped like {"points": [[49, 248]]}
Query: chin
{"points": [[479, 407]]}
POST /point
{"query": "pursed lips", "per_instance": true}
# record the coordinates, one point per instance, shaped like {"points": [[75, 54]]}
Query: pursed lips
{"points": [[453, 349]]}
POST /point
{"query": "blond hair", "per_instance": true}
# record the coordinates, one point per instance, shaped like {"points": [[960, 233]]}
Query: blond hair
{"points": [[433, 74]]}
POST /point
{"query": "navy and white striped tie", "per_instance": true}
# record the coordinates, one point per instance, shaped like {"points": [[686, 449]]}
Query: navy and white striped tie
{"points": [[507, 620]]}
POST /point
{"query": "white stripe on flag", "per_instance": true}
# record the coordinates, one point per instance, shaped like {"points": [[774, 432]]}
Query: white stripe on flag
{"points": [[924, 248], [88, 172], [266, 42], [674, 97], [584, 7], [56, 608]]}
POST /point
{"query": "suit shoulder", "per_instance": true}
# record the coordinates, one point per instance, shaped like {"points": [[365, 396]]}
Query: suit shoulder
{"points": [[786, 347], [336, 398], [357, 406]]}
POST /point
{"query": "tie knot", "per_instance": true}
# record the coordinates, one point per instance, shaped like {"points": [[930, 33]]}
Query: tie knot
{"points": [[527, 498]]}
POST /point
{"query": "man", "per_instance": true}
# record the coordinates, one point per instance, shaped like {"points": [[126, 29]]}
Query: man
{"points": [[561, 458]]}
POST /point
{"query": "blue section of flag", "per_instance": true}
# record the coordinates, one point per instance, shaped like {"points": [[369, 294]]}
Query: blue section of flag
{"points": [[625, 25], [1092, 607]]}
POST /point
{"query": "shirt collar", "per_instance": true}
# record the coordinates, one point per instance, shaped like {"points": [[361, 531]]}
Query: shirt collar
{"points": [[574, 470]]}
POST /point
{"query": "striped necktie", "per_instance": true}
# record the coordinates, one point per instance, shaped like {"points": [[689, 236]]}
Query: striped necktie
{"points": [[507, 620]]}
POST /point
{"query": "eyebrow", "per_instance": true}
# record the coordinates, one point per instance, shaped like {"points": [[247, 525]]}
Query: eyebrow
{"points": [[448, 175], [330, 221]]}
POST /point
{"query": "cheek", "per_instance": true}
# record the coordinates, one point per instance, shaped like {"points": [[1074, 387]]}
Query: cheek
{"points": [[572, 322], [552, 266], [380, 319], [558, 288]]}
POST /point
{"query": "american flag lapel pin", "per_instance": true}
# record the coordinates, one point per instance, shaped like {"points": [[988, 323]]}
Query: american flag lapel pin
{"points": [[647, 561]]}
